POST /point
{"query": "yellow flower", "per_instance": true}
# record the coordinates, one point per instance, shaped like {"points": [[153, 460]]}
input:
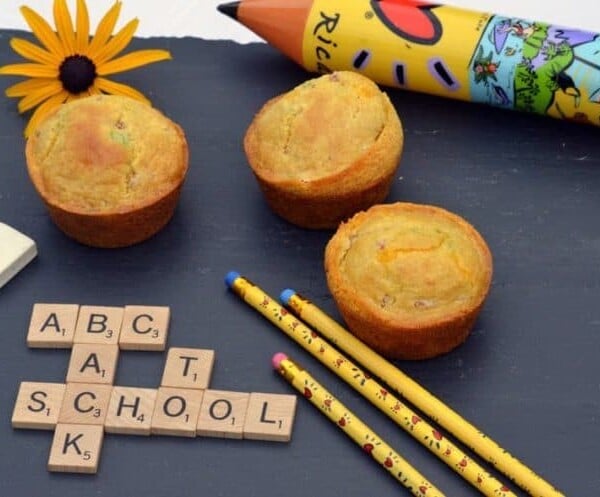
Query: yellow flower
{"points": [[71, 64]]}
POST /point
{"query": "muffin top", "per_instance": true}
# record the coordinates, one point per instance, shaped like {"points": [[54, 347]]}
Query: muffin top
{"points": [[106, 154], [319, 128], [411, 263]]}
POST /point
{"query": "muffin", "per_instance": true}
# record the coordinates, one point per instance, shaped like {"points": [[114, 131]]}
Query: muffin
{"points": [[108, 168], [408, 279], [325, 150]]}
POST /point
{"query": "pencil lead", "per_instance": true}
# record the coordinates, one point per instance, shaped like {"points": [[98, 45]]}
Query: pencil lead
{"points": [[229, 9]]}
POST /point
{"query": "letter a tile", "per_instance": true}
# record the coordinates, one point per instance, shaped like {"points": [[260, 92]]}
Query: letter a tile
{"points": [[93, 363], [97, 324], [222, 414], [270, 417], [76, 448], [52, 326], [130, 411], [188, 368], [38, 405], [144, 328], [176, 412]]}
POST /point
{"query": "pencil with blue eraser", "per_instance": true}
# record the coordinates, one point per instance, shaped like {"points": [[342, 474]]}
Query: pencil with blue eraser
{"points": [[367, 386], [430, 405]]}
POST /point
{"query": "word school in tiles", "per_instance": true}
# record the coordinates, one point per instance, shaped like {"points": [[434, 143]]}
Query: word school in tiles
{"points": [[88, 405]]}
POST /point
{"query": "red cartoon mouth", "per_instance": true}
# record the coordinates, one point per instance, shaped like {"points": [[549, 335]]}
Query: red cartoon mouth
{"points": [[412, 20]]}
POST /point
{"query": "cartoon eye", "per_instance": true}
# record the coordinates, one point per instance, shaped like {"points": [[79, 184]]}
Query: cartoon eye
{"points": [[442, 74], [361, 59], [399, 71]]}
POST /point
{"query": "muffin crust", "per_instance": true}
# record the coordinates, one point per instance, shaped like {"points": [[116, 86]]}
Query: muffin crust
{"points": [[408, 279]]}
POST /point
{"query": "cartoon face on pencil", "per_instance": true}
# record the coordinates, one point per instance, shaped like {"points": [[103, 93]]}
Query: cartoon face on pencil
{"points": [[442, 50]]}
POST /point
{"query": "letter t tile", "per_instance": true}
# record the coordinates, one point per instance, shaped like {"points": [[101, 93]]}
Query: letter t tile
{"points": [[188, 368]]}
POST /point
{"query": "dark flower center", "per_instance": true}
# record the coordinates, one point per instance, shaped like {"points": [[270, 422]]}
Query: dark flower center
{"points": [[77, 73]]}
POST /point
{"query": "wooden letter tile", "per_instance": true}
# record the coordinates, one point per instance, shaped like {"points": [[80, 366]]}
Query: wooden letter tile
{"points": [[52, 326], [37, 405], [97, 324], [176, 412], [93, 363], [17, 251], [76, 448], [270, 417], [222, 414], [130, 411], [188, 368], [144, 328], [85, 403]]}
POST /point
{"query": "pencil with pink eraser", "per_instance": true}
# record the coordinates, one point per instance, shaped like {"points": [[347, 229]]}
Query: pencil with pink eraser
{"points": [[351, 425]]}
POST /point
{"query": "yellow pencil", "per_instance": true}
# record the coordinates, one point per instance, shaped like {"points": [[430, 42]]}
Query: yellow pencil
{"points": [[407, 419], [421, 398], [352, 426]]}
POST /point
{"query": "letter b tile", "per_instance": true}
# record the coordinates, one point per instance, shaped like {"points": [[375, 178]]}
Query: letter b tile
{"points": [[97, 324]]}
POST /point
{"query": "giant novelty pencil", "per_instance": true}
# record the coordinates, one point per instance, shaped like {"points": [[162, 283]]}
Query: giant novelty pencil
{"points": [[438, 49]]}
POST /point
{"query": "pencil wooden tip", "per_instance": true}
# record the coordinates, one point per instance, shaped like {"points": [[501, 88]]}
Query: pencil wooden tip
{"points": [[229, 9]]}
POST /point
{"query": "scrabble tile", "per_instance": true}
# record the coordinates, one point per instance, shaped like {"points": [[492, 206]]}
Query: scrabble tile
{"points": [[130, 411], [270, 417], [52, 326], [97, 324], [176, 411], [93, 363], [222, 414], [17, 251], [85, 403], [76, 448], [144, 328], [188, 368], [37, 405]]}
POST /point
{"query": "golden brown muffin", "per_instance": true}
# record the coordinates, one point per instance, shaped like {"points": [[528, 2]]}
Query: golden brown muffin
{"points": [[326, 149], [109, 169], [408, 279]]}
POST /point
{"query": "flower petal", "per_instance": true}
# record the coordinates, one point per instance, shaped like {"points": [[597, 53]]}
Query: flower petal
{"points": [[82, 35], [43, 110], [30, 70], [42, 31], [33, 52], [38, 95], [23, 88], [117, 43], [64, 26], [132, 60], [114, 88], [94, 90], [104, 29]]}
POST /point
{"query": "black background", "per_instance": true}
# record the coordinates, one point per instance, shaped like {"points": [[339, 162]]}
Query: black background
{"points": [[528, 376]]}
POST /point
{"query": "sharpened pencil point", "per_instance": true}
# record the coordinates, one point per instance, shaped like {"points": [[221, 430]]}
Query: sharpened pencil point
{"points": [[229, 9]]}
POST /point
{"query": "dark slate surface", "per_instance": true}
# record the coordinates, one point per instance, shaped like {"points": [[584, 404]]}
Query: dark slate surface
{"points": [[528, 376]]}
